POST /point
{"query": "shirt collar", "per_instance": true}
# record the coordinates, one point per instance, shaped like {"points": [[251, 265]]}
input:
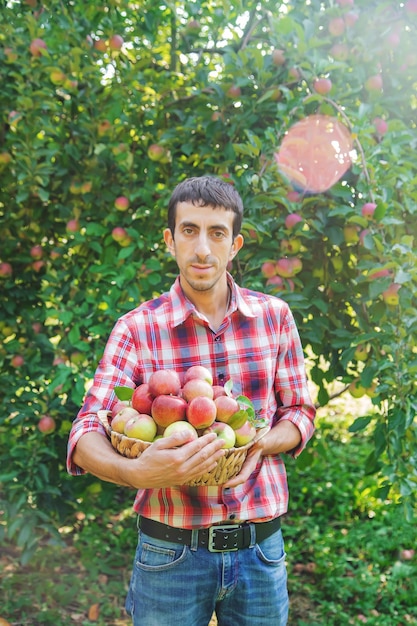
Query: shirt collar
{"points": [[182, 308]]}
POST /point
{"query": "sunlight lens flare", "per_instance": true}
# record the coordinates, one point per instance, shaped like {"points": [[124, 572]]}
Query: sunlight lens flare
{"points": [[315, 153]]}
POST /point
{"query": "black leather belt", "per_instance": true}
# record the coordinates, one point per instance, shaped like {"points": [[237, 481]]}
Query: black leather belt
{"points": [[222, 538]]}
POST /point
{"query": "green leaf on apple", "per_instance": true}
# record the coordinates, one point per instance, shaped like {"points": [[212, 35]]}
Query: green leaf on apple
{"points": [[124, 393], [238, 419], [228, 387]]}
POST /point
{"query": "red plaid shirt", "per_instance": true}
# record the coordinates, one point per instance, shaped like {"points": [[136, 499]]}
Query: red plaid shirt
{"points": [[257, 346]]}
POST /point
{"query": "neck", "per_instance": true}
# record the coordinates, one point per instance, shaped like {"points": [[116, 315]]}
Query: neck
{"points": [[212, 303]]}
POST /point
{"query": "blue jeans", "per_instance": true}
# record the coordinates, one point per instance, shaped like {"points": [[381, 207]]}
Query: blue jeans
{"points": [[177, 585]]}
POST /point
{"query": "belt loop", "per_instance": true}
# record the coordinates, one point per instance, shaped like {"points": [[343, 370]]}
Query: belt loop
{"points": [[194, 540], [252, 528]]}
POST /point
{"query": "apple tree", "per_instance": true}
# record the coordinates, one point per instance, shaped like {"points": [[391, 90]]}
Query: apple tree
{"points": [[105, 107]]}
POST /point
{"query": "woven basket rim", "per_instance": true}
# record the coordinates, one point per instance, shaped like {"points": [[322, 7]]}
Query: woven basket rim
{"points": [[103, 416]]}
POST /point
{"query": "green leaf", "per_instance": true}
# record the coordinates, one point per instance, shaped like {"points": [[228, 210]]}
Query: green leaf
{"points": [[228, 387], [124, 393], [238, 419], [360, 423]]}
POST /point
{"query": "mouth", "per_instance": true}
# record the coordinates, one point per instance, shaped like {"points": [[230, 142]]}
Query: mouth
{"points": [[200, 268]]}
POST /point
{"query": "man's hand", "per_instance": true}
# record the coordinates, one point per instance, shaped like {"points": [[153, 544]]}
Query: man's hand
{"points": [[174, 461], [249, 465], [284, 436], [167, 462]]}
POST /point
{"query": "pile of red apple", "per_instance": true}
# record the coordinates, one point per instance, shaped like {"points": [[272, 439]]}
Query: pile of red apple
{"points": [[166, 404]]}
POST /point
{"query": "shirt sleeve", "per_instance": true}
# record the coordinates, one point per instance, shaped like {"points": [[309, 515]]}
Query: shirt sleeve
{"points": [[116, 368], [291, 385]]}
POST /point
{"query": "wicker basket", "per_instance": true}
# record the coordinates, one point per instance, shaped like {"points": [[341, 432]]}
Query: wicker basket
{"points": [[227, 467]]}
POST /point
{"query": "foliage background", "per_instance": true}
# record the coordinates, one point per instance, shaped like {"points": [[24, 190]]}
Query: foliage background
{"points": [[78, 122]]}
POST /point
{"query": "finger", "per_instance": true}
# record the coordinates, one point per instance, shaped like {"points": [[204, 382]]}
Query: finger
{"points": [[248, 467]]}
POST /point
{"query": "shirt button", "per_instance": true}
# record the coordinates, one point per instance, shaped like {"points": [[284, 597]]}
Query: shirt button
{"points": [[232, 516], [217, 339]]}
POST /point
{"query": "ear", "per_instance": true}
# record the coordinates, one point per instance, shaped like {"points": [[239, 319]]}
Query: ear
{"points": [[236, 246], [169, 241]]}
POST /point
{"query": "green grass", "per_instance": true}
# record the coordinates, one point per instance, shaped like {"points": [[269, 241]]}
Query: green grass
{"points": [[346, 559]]}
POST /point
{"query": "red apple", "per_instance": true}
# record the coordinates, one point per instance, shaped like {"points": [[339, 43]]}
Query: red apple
{"points": [[337, 26], [381, 125], [6, 270], [278, 57], [198, 371], [340, 51], [197, 387], [223, 431], [351, 18], [225, 407], [156, 152], [142, 399], [17, 361], [374, 83], [36, 47], [36, 252], [322, 85], [287, 268], [234, 92], [121, 203], [268, 269], [100, 45], [37, 265], [218, 391], [73, 226], [121, 235], [141, 427], [283, 268], [168, 409], [201, 412], [164, 382], [292, 219], [368, 210], [122, 417], [46, 424], [181, 426], [116, 42], [245, 434], [277, 282], [117, 407]]}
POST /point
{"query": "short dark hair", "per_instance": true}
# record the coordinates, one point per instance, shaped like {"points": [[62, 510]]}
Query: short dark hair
{"points": [[207, 191]]}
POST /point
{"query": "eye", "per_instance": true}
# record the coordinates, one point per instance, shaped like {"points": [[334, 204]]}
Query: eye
{"points": [[218, 234]]}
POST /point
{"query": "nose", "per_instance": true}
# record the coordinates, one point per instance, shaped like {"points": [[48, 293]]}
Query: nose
{"points": [[202, 248]]}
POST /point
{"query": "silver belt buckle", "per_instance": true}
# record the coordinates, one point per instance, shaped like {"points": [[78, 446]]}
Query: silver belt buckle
{"points": [[212, 538]]}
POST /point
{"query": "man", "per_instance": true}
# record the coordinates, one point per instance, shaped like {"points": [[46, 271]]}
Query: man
{"points": [[204, 549]]}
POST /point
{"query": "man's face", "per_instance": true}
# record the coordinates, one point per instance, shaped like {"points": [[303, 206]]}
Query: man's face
{"points": [[202, 244]]}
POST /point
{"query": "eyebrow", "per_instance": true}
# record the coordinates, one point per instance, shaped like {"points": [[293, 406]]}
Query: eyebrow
{"points": [[187, 224]]}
